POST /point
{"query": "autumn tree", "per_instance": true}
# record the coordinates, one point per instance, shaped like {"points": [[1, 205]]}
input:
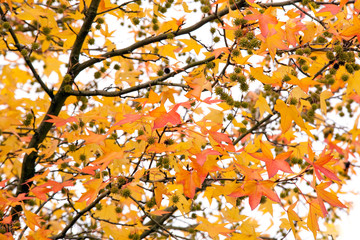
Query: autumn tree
{"points": [[172, 119]]}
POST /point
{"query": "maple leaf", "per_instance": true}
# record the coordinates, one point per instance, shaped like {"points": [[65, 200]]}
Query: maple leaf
{"points": [[289, 114], [323, 96], [332, 8], [32, 219], [201, 157], [160, 189], [108, 158], [95, 138], [353, 30], [218, 51], [312, 219], [263, 106], [93, 186], [322, 164], [191, 44], [292, 216], [210, 165], [255, 190], [258, 73], [171, 117], [292, 28], [58, 121], [211, 101], [264, 19], [250, 173], [159, 212], [151, 99], [169, 50], [213, 229], [190, 180], [128, 118], [329, 197], [40, 192], [273, 165], [18, 199]]}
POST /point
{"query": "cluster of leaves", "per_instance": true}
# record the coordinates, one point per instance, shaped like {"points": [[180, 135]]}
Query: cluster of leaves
{"points": [[172, 119]]}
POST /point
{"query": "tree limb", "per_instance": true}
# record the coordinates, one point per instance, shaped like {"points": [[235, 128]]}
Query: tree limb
{"points": [[26, 58], [155, 82], [28, 164]]}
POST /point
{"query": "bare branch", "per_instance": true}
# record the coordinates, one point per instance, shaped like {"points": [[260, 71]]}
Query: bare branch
{"points": [[155, 82], [80, 214]]}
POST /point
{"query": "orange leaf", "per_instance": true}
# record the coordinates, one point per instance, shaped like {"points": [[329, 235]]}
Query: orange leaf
{"points": [[217, 52], [32, 219], [273, 165], [95, 138], [213, 229], [58, 121], [128, 118], [322, 164], [210, 101], [171, 117], [255, 190], [250, 173], [312, 219], [159, 212], [190, 180], [264, 20], [328, 197], [201, 157]]}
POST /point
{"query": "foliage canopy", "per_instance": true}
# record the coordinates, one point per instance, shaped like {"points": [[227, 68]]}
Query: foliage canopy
{"points": [[172, 119]]}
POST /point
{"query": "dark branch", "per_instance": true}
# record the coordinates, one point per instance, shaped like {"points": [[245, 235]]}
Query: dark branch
{"points": [[79, 215], [26, 58], [155, 82]]}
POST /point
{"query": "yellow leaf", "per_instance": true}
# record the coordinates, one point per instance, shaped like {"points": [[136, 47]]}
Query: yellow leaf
{"points": [[323, 96], [32, 219], [169, 26], [309, 32], [232, 214], [168, 50], [186, 8], [214, 229], [107, 212], [289, 114], [263, 106], [215, 116], [258, 73], [191, 45]]}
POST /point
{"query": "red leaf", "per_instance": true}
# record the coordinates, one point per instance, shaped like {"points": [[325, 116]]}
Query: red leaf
{"points": [[273, 165], [190, 180], [322, 165], [201, 157], [128, 118], [171, 117], [217, 52], [334, 9], [328, 197], [255, 190], [210, 101], [220, 137]]}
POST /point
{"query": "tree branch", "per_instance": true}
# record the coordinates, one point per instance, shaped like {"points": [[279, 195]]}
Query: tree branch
{"points": [[28, 165], [252, 129], [85, 28], [155, 82], [26, 58], [158, 38], [80, 214]]}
